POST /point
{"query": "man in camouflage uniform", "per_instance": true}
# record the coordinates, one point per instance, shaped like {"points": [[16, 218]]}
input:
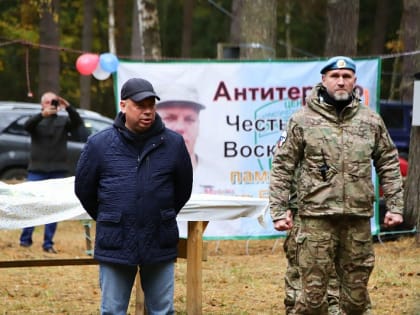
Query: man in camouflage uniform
{"points": [[333, 140]]}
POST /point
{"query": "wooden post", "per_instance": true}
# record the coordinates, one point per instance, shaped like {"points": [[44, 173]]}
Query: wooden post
{"points": [[194, 271], [87, 226], [140, 306]]}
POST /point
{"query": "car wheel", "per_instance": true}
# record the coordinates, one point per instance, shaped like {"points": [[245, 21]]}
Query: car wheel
{"points": [[14, 174]]}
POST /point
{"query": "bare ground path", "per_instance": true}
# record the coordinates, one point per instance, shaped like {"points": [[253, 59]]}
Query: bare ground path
{"points": [[239, 278]]}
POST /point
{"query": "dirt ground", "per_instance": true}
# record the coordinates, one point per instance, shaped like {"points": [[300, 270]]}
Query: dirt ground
{"points": [[239, 277]]}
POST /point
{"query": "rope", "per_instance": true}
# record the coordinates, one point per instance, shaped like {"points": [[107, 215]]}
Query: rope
{"points": [[28, 80], [76, 51]]}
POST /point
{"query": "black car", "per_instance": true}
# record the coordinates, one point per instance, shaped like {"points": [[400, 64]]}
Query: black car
{"points": [[397, 116], [15, 141]]}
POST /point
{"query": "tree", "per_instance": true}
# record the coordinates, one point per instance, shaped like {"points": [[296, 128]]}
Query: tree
{"points": [[377, 44], [137, 42], [301, 30], [87, 38], [235, 26], [49, 58], [211, 22], [410, 30], [187, 27], [258, 25], [342, 27], [111, 28], [146, 37]]}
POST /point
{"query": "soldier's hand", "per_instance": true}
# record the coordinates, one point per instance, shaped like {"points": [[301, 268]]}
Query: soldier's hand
{"points": [[392, 219], [284, 224]]}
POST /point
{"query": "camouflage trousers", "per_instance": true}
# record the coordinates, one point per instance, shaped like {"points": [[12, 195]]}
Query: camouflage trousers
{"points": [[293, 285], [325, 243]]}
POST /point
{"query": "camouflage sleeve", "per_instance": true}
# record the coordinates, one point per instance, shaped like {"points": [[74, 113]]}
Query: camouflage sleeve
{"points": [[293, 195], [385, 157], [285, 159]]}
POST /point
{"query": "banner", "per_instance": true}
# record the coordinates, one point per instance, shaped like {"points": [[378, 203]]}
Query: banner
{"points": [[244, 107]]}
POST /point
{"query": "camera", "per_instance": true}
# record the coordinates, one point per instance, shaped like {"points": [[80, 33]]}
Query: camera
{"points": [[55, 103]]}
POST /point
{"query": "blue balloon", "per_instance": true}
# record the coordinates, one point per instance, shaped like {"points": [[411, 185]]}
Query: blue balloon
{"points": [[108, 62]]}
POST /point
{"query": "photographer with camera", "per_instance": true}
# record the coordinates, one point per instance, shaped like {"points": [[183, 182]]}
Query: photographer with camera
{"points": [[49, 152]]}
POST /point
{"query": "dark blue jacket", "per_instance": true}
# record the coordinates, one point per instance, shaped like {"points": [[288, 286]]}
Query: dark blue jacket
{"points": [[134, 186]]}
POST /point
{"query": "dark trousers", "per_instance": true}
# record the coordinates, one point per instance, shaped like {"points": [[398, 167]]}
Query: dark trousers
{"points": [[50, 228]]}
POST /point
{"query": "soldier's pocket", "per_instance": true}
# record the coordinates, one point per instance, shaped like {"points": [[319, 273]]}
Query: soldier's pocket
{"points": [[286, 243], [313, 249], [361, 246], [290, 245]]}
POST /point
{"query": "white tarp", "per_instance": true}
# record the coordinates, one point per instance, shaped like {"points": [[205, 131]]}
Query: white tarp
{"points": [[40, 202]]}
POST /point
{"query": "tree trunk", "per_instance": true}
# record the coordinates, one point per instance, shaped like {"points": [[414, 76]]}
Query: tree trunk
{"points": [[258, 24], [235, 23], [121, 25], [393, 87], [187, 28], [287, 23], [49, 58], [412, 192], [342, 27], [377, 43], [410, 35], [137, 43], [87, 37], [112, 48], [146, 27]]}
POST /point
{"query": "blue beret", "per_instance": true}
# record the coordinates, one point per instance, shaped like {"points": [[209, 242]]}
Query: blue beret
{"points": [[339, 62]]}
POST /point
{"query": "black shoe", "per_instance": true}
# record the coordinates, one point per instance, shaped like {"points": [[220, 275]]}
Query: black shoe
{"points": [[50, 250], [25, 245]]}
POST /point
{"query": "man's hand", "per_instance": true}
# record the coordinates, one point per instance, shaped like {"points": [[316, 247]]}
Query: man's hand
{"points": [[284, 224], [392, 219], [49, 111], [63, 102]]}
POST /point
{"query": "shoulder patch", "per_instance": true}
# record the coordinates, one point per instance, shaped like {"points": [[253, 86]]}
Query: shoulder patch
{"points": [[282, 138]]}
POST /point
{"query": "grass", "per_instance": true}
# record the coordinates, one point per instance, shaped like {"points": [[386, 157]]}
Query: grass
{"points": [[233, 282]]}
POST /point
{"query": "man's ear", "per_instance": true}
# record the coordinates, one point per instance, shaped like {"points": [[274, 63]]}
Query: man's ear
{"points": [[123, 105]]}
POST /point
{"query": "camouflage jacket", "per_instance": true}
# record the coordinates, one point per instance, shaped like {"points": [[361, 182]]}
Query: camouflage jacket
{"points": [[335, 156]]}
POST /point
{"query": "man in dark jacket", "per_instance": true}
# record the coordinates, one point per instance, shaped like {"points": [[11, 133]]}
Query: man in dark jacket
{"points": [[133, 179], [48, 158]]}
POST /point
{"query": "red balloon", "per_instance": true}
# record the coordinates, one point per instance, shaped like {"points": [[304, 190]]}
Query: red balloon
{"points": [[87, 63]]}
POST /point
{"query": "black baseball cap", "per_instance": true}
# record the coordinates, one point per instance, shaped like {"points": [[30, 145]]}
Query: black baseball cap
{"points": [[137, 89]]}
